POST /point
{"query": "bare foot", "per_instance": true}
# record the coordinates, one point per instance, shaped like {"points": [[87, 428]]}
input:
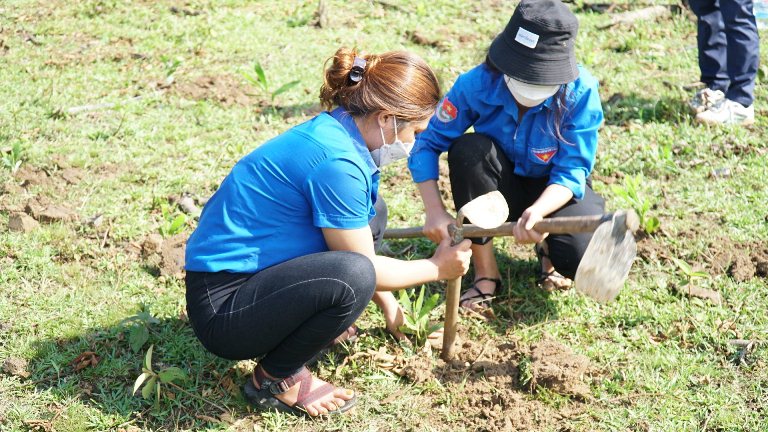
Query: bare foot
{"points": [[331, 401]]}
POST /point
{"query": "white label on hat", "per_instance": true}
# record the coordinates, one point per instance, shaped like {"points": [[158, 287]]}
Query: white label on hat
{"points": [[527, 38]]}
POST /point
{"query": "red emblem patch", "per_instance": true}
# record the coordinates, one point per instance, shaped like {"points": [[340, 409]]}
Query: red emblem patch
{"points": [[447, 111], [544, 155]]}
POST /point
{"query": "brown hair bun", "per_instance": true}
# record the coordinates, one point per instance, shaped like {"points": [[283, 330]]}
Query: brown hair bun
{"points": [[398, 82]]}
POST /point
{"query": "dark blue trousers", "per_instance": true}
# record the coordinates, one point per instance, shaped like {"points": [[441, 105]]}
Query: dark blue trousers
{"points": [[729, 49]]}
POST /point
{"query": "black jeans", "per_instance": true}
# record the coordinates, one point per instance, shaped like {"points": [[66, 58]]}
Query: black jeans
{"points": [[478, 166], [286, 313]]}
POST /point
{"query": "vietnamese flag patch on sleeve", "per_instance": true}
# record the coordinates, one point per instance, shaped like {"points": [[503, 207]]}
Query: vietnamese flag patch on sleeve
{"points": [[446, 111], [545, 154]]}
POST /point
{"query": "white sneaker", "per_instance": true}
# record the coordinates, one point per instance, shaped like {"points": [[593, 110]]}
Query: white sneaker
{"points": [[728, 112], [705, 99]]}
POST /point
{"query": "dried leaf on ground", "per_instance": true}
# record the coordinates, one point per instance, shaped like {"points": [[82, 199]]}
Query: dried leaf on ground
{"points": [[84, 360]]}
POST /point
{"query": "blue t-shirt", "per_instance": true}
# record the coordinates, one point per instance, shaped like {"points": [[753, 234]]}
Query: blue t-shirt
{"points": [[272, 205], [480, 99]]}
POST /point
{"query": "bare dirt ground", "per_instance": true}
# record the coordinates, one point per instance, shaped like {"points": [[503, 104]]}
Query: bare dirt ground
{"points": [[225, 89], [492, 378], [722, 256]]}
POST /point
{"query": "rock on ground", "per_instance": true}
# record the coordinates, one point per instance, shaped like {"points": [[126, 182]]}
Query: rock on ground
{"points": [[15, 366], [22, 222]]}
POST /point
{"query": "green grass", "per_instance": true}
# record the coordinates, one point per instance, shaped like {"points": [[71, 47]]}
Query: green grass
{"points": [[662, 360]]}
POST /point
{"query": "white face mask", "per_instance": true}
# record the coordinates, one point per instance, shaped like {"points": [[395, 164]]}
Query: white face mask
{"points": [[389, 153], [529, 95]]}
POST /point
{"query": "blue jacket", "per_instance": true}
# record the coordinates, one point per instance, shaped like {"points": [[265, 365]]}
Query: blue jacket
{"points": [[274, 203], [480, 99]]}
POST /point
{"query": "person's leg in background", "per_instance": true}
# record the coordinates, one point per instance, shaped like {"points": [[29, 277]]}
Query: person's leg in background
{"points": [[739, 29], [712, 54], [743, 49]]}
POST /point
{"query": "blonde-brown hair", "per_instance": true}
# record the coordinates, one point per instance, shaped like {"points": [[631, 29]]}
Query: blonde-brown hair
{"points": [[397, 82]]}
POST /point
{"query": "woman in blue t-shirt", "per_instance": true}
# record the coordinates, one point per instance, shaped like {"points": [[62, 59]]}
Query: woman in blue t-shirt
{"points": [[282, 262], [535, 115]]}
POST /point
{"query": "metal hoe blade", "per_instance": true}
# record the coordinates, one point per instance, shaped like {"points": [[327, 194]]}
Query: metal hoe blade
{"points": [[607, 261], [486, 211]]}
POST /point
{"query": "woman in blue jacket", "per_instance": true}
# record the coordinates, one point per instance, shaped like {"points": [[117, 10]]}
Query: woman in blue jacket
{"points": [[282, 261], [535, 115]]}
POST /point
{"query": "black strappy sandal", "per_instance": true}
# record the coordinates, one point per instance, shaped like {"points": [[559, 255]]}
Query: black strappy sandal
{"points": [[545, 280], [481, 298], [263, 394]]}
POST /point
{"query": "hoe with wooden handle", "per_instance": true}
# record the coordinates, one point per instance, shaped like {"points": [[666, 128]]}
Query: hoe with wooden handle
{"points": [[601, 272], [485, 212]]}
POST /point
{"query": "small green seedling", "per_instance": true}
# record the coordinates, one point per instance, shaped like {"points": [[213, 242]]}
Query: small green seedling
{"points": [[153, 381], [688, 273], [173, 222], [171, 65], [417, 315], [631, 194], [259, 79], [138, 328], [13, 157]]}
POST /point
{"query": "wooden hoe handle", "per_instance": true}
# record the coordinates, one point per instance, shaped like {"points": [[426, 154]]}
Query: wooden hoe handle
{"points": [[556, 225], [450, 327], [452, 295]]}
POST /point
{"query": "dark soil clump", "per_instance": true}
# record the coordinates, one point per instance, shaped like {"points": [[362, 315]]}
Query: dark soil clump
{"points": [[172, 253], [556, 367]]}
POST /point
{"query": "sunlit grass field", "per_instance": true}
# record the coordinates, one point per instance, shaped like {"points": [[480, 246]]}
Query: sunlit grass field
{"points": [[113, 111]]}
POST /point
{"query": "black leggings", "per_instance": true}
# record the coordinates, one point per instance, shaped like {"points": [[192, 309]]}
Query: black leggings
{"points": [[478, 166], [286, 313]]}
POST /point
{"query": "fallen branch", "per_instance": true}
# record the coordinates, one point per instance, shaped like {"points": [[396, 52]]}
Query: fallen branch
{"points": [[638, 395], [213, 404], [745, 342], [321, 14], [388, 5], [631, 17], [97, 107]]}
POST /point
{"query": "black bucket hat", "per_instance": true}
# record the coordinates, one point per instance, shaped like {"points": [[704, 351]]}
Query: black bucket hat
{"points": [[537, 46]]}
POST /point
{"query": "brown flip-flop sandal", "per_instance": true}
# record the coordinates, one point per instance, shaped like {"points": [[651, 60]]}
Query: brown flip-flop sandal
{"points": [[263, 394]]}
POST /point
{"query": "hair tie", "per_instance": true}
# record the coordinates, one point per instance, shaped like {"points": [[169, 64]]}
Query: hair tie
{"points": [[358, 67]]}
